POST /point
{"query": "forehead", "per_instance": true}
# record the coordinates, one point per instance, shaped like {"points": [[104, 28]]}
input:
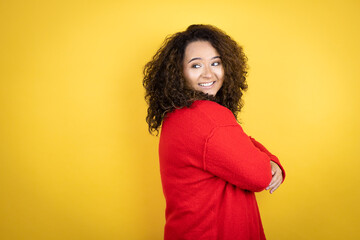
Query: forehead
{"points": [[202, 49]]}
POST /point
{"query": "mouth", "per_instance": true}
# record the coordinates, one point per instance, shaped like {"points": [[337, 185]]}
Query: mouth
{"points": [[207, 84]]}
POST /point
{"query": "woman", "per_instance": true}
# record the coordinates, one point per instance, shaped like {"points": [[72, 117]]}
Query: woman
{"points": [[209, 167]]}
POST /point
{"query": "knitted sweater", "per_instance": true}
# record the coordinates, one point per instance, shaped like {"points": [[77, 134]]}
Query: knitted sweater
{"points": [[210, 170]]}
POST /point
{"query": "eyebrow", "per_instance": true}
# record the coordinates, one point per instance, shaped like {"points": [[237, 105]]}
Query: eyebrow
{"points": [[193, 59]]}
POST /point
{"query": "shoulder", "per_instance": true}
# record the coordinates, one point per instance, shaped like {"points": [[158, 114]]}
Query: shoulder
{"points": [[219, 114], [206, 111]]}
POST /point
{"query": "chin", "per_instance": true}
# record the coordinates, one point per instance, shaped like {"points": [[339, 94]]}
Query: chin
{"points": [[211, 92], [208, 91]]}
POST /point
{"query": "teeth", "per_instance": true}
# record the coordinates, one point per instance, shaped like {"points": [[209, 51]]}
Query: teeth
{"points": [[206, 84]]}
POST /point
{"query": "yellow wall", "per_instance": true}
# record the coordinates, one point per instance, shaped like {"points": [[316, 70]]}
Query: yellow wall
{"points": [[77, 161]]}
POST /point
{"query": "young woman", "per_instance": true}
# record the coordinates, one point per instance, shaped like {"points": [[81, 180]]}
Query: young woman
{"points": [[209, 167]]}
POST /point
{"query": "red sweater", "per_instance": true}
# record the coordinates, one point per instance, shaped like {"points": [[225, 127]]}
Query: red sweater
{"points": [[210, 170]]}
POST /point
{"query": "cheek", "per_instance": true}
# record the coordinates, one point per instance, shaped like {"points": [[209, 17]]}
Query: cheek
{"points": [[190, 76], [220, 73]]}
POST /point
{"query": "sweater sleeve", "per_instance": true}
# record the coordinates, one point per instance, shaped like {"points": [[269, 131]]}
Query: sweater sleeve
{"points": [[272, 157], [229, 154]]}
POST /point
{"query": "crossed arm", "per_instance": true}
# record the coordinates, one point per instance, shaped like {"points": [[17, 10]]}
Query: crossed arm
{"points": [[278, 175], [239, 159]]}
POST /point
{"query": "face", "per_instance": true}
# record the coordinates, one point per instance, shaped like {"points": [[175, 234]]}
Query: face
{"points": [[202, 67]]}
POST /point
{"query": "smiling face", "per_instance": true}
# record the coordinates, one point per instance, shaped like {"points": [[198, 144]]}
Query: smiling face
{"points": [[202, 67]]}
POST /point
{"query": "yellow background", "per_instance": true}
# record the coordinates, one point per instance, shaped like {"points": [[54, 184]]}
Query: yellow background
{"points": [[77, 161]]}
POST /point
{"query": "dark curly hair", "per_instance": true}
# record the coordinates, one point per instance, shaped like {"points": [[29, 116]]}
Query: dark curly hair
{"points": [[164, 82]]}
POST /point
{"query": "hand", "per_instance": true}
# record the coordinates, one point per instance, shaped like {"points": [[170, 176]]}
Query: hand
{"points": [[276, 177]]}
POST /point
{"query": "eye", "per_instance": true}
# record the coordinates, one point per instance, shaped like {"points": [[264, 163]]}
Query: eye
{"points": [[216, 63], [195, 66]]}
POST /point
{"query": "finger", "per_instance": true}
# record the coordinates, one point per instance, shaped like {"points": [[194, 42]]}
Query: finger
{"points": [[273, 173], [274, 188], [276, 180], [275, 168], [271, 183]]}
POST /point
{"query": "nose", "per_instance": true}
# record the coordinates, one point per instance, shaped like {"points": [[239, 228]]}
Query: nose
{"points": [[207, 73]]}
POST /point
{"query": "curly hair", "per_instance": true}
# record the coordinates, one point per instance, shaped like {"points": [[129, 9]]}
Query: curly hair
{"points": [[164, 82]]}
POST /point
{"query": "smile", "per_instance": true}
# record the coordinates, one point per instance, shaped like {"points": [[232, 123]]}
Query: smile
{"points": [[206, 84]]}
